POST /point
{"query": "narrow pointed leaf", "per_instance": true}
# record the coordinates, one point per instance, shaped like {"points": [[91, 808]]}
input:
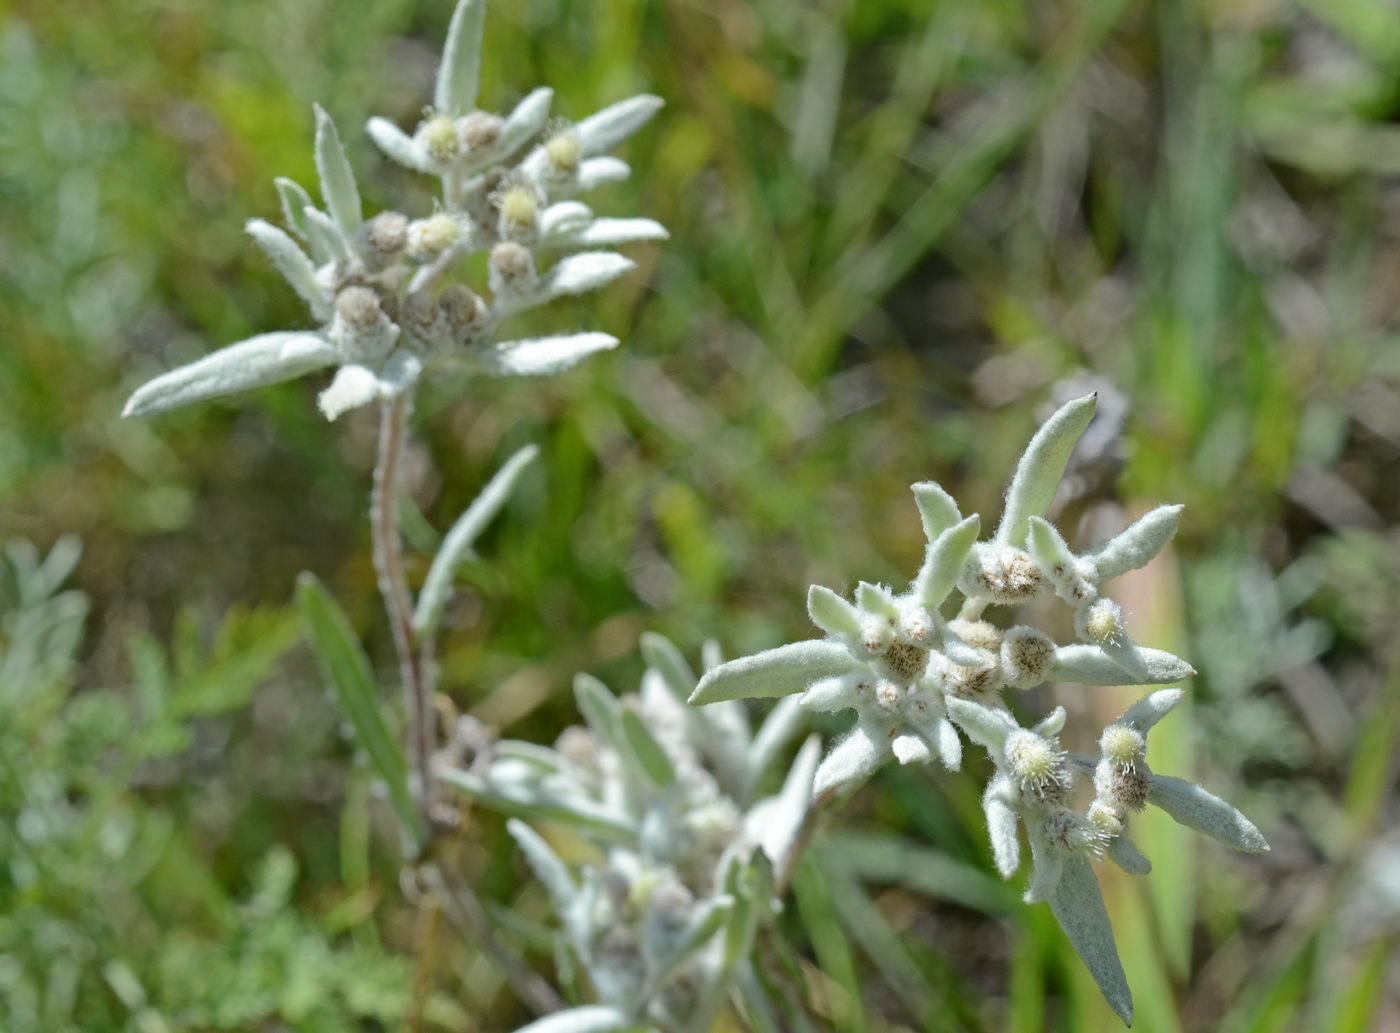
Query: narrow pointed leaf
{"points": [[1001, 827], [338, 187], [1078, 907], [525, 120], [647, 750], [344, 665], [599, 708], [293, 264], [458, 75], [601, 132], [1122, 852], [354, 386], [876, 599], [937, 509], [1135, 546], [603, 233], [775, 672], [1089, 665], [1041, 466], [983, 725], [853, 759], [602, 171], [661, 654], [545, 863], [591, 1018], [256, 362], [943, 561], [457, 546], [294, 202], [542, 356], [1047, 547], [325, 235], [831, 613], [1047, 866], [1205, 812], [397, 145], [779, 728], [1147, 711]]}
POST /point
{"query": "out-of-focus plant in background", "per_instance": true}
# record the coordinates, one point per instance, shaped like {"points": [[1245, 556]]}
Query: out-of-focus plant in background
{"points": [[898, 227]]}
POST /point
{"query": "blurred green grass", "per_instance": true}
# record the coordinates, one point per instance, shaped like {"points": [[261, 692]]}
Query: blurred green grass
{"points": [[895, 227]]}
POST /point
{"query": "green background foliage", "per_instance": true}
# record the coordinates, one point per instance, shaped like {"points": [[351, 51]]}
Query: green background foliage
{"points": [[897, 228]]}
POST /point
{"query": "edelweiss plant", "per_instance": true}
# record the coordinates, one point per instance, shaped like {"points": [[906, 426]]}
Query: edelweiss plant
{"points": [[508, 185], [915, 675], [688, 858]]}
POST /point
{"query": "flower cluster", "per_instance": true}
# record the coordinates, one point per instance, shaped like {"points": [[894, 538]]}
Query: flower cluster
{"points": [[915, 676], [374, 285], [687, 850]]}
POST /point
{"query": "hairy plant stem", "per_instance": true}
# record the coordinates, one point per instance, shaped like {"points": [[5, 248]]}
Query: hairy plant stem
{"points": [[393, 586]]}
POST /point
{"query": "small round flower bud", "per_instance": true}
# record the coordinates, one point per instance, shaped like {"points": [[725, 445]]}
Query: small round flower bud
{"points": [[1037, 766], [577, 744], [1122, 746], [383, 238], [359, 328], [1026, 655], [1106, 817], [512, 268], [1001, 574], [438, 135], [1100, 622], [889, 696], [479, 130], [519, 211], [428, 238], [1074, 833], [462, 311], [978, 634], [563, 152], [917, 626], [358, 307], [876, 634]]}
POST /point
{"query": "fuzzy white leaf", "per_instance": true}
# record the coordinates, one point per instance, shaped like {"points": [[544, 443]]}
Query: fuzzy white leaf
{"points": [[604, 130], [610, 233], [1089, 665], [1047, 866], [542, 356], [911, 749], [525, 120], [545, 863], [1048, 548], [577, 274], [563, 218], [1078, 907], [1124, 652], [943, 561], [983, 725], [293, 264], [354, 386], [256, 362], [398, 146], [458, 75], [457, 546], [937, 509], [831, 613], [775, 672], [1041, 466], [324, 235], [853, 759], [1135, 546], [949, 745], [1122, 852], [597, 172], [294, 199], [775, 823], [1001, 826], [338, 187], [1205, 812], [1147, 711], [1052, 724], [592, 1018], [830, 695], [400, 373]]}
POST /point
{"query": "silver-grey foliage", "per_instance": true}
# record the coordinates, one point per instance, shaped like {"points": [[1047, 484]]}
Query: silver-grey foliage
{"points": [[916, 676]]}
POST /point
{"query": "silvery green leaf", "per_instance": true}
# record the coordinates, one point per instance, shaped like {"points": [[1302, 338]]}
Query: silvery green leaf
{"points": [[294, 200], [256, 362], [853, 759], [525, 120], [338, 188], [324, 235], [293, 264], [604, 130], [592, 1018], [1205, 812], [711, 654], [1147, 711], [718, 730], [610, 233], [1051, 724], [876, 599], [1001, 826], [541, 757], [1041, 466], [909, 748], [460, 70], [708, 919], [775, 672], [777, 730], [398, 146], [661, 654], [1135, 546], [830, 695], [1047, 865], [1078, 907], [937, 509], [585, 271], [1047, 546], [831, 613], [563, 218], [353, 386], [944, 560], [545, 863], [1124, 652], [457, 546], [776, 823], [521, 801], [598, 706], [542, 356], [1122, 852], [983, 725], [1089, 665], [597, 172]]}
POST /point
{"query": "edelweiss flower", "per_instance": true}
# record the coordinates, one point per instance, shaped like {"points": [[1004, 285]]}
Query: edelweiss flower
{"points": [[372, 286]]}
